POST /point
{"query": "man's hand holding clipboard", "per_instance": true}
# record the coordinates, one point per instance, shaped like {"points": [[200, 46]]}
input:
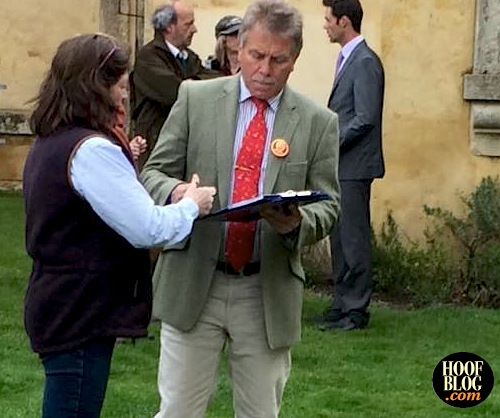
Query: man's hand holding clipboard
{"points": [[270, 207]]}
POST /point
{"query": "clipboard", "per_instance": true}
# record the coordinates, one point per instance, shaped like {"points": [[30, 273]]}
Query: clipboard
{"points": [[249, 210]]}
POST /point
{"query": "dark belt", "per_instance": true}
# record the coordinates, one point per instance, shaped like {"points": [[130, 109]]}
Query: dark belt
{"points": [[247, 270]]}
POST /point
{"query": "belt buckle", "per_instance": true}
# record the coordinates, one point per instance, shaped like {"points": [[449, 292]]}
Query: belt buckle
{"points": [[228, 270]]}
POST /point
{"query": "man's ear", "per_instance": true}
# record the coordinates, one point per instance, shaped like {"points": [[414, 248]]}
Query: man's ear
{"points": [[345, 21]]}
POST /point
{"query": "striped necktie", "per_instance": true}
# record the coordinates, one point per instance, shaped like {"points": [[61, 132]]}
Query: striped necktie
{"points": [[340, 60]]}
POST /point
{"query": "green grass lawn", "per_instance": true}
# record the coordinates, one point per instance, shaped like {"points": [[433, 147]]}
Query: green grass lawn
{"points": [[383, 371]]}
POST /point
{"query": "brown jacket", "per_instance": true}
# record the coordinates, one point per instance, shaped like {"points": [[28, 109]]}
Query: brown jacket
{"points": [[154, 83]]}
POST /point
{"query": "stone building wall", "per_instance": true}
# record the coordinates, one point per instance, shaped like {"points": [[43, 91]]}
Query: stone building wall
{"points": [[427, 47]]}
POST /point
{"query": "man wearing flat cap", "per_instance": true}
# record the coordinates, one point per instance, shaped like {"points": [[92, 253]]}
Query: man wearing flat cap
{"points": [[225, 58]]}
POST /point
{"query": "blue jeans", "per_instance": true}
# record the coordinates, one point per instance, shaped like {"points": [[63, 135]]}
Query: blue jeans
{"points": [[76, 380]]}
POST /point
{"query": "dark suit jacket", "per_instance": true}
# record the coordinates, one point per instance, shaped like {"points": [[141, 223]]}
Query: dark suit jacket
{"points": [[154, 83], [357, 97], [198, 137]]}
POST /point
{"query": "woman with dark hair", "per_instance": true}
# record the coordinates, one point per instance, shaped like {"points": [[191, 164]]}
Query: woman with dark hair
{"points": [[88, 224]]}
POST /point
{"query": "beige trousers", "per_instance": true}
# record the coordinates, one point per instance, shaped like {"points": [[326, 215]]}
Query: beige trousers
{"points": [[233, 317]]}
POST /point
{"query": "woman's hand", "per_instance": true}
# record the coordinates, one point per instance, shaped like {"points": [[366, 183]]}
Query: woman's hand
{"points": [[138, 145]]}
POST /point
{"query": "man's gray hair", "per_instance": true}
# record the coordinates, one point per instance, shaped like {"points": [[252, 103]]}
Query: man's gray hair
{"points": [[163, 16], [277, 16]]}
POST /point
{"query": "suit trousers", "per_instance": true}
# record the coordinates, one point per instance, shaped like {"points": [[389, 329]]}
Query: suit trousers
{"points": [[351, 250], [233, 318]]}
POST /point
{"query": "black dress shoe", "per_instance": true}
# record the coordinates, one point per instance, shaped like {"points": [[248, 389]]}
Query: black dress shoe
{"points": [[328, 315], [344, 324], [359, 318]]}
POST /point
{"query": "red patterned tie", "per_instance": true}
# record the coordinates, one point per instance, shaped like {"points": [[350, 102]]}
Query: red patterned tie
{"points": [[240, 235]]}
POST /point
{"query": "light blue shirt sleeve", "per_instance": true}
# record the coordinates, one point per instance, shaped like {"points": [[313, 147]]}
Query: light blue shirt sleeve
{"points": [[102, 175]]}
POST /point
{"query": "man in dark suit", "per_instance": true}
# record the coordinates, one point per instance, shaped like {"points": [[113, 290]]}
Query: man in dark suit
{"points": [[160, 67], [357, 97]]}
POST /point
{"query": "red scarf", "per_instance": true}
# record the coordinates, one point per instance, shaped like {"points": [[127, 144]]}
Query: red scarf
{"points": [[118, 131]]}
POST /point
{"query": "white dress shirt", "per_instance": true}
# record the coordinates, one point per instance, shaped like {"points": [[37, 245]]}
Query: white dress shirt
{"points": [[347, 49], [246, 112], [176, 52]]}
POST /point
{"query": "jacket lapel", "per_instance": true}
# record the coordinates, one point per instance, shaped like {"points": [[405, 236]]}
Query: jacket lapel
{"points": [[284, 126], [350, 60], [226, 108], [160, 44]]}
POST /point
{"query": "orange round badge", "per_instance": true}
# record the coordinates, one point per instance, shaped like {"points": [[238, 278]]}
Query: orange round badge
{"points": [[280, 148]]}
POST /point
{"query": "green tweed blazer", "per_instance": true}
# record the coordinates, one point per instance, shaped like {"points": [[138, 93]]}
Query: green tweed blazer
{"points": [[198, 137]]}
